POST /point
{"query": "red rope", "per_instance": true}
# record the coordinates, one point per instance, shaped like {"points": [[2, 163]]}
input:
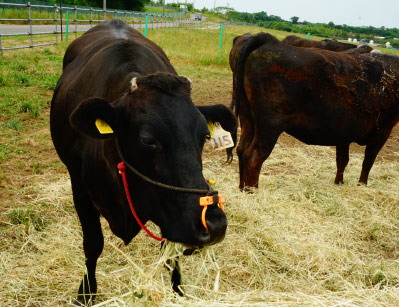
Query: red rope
{"points": [[122, 171]]}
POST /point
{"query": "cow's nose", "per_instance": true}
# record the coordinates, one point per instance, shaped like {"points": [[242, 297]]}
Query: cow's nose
{"points": [[217, 223]]}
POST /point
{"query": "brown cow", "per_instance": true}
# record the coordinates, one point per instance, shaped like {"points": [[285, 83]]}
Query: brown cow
{"points": [[318, 96]]}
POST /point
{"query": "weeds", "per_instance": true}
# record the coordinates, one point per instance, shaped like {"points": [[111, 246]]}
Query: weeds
{"points": [[6, 150], [28, 107], [27, 217], [13, 124]]}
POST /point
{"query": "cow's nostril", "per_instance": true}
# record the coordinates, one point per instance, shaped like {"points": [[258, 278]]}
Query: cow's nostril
{"points": [[217, 226]]}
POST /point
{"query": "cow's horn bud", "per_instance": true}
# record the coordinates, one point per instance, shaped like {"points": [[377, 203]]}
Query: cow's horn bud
{"points": [[189, 80], [133, 85]]}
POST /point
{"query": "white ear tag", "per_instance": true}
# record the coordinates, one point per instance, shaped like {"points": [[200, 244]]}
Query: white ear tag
{"points": [[221, 138], [103, 127]]}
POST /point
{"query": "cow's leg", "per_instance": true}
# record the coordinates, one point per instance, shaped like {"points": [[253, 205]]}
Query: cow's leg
{"points": [[247, 134], [174, 266], [93, 241], [258, 152], [176, 277], [342, 155], [254, 156], [372, 149]]}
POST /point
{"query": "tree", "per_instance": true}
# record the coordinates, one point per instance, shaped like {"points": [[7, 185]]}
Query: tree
{"points": [[131, 5], [294, 19], [261, 16]]}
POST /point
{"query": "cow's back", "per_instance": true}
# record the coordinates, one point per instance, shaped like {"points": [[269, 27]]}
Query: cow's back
{"points": [[306, 85], [103, 35]]}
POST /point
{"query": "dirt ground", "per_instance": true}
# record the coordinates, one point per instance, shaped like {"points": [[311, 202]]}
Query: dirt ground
{"points": [[389, 152]]}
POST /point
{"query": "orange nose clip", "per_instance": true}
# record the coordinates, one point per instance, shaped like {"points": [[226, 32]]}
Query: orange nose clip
{"points": [[206, 201]]}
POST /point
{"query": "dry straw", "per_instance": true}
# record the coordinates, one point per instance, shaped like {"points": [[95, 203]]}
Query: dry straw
{"points": [[297, 240]]}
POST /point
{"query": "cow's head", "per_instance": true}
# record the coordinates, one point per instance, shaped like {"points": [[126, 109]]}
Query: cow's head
{"points": [[161, 133]]}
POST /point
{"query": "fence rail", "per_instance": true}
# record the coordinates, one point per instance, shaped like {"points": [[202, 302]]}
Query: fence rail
{"points": [[81, 23]]}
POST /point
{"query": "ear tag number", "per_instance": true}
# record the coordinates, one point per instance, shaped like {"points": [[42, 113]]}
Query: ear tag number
{"points": [[221, 138], [103, 127]]}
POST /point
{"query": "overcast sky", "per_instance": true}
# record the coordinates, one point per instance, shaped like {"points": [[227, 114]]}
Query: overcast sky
{"points": [[375, 13]]}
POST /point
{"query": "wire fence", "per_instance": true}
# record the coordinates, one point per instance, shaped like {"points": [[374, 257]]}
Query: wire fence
{"points": [[61, 21]]}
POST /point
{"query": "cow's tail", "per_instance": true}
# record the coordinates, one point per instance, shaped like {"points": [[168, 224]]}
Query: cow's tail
{"points": [[253, 43]]}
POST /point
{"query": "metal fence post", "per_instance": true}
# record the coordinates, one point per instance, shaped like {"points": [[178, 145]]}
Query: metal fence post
{"points": [[67, 26], [91, 18], [146, 26], [30, 24], [76, 21], [220, 43], [1, 47], [56, 23]]}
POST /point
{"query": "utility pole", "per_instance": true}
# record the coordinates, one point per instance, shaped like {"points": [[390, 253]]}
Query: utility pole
{"points": [[105, 8]]}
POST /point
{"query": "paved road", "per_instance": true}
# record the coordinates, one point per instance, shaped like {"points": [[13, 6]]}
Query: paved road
{"points": [[24, 29]]}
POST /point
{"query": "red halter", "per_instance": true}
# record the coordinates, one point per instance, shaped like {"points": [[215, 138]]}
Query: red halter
{"points": [[122, 171]]}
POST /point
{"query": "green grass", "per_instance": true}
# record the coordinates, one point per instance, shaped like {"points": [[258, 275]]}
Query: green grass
{"points": [[27, 217], [157, 10], [13, 124]]}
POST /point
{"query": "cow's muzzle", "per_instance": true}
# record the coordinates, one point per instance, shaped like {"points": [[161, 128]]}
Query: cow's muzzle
{"points": [[213, 220]]}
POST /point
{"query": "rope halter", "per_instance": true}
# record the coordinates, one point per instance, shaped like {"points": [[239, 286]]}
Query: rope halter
{"points": [[211, 197]]}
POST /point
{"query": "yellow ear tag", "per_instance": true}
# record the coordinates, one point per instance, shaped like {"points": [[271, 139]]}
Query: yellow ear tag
{"points": [[212, 182], [211, 128], [103, 127]]}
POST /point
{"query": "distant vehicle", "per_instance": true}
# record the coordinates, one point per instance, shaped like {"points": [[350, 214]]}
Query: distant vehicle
{"points": [[198, 17]]}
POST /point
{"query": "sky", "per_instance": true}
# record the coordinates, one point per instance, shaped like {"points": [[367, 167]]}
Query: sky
{"points": [[375, 13]]}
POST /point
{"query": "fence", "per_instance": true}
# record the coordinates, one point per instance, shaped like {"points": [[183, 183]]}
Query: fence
{"points": [[80, 21]]}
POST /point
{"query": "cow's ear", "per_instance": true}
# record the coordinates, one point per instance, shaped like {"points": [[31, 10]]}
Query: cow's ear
{"points": [[221, 114], [96, 118]]}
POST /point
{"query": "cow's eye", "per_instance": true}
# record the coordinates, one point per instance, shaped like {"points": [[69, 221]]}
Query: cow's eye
{"points": [[148, 142], [207, 137]]}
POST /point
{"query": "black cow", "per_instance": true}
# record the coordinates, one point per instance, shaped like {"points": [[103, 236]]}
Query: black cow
{"points": [[318, 96], [328, 44], [113, 75]]}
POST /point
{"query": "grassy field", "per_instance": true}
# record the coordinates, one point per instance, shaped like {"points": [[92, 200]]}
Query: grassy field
{"points": [[297, 241]]}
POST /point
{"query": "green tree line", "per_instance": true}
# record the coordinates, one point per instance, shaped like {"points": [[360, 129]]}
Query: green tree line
{"points": [[331, 30]]}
